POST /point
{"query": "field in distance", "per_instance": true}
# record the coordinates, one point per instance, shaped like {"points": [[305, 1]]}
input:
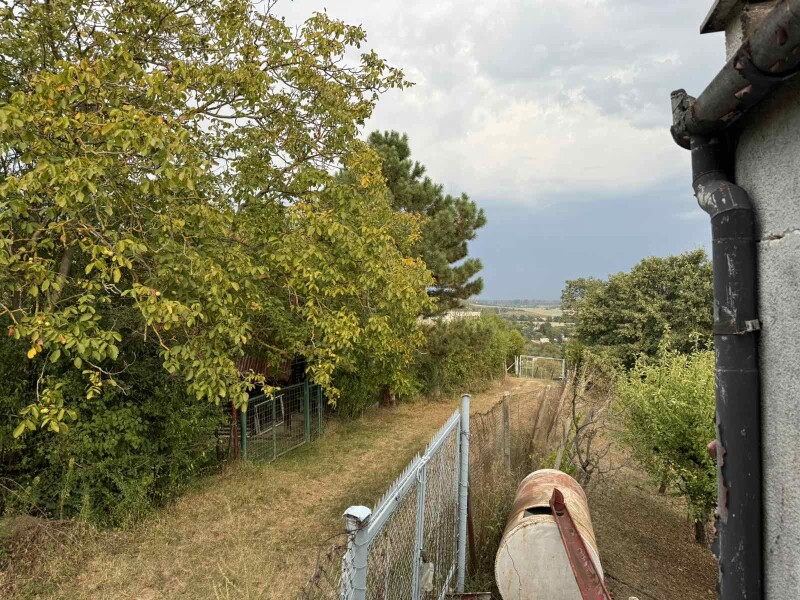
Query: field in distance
{"points": [[543, 311]]}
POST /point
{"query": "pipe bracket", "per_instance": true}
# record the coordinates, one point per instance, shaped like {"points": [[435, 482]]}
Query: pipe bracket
{"points": [[734, 327]]}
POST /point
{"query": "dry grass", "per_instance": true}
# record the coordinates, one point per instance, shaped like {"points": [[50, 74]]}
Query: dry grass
{"points": [[253, 531], [645, 540]]}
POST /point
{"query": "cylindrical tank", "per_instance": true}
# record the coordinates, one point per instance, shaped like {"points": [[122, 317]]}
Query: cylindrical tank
{"points": [[531, 562]]}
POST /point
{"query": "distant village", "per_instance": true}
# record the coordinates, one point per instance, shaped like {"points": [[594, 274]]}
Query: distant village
{"points": [[544, 325]]}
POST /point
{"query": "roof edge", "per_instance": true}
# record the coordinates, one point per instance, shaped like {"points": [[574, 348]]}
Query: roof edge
{"points": [[719, 15]]}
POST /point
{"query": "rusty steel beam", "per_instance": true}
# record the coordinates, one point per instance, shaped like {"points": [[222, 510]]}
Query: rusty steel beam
{"points": [[770, 56]]}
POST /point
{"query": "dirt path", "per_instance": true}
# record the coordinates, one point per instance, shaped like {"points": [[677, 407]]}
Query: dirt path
{"points": [[254, 531], [645, 540]]}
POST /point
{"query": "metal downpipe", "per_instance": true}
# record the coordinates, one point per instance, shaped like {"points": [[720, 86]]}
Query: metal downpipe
{"points": [[739, 513]]}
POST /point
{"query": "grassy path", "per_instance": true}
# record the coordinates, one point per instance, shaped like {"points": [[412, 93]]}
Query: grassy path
{"points": [[253, 531]]}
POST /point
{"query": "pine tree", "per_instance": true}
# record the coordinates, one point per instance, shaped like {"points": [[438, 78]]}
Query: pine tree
{"points": [[451, 221]]}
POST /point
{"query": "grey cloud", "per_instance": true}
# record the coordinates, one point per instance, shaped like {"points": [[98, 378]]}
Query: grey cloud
{"points": [[554, 115]]}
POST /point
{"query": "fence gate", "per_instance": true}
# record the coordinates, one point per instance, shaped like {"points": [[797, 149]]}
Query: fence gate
{"points": [[413, 544], [278, 422], [542, 367]]}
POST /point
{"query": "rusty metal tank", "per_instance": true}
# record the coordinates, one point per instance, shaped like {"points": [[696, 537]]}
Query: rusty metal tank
{"points": [[531, 562]]}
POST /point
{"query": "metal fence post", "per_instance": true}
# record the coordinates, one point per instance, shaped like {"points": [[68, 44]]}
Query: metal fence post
{"points": [[307, 409], [463, 490], [244, 433], [416, 592], [320, 415], [506, 432], [274, 430], [354, 561]]}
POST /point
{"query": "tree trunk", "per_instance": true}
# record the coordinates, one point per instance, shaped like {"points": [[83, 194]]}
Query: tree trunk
{"points": [[387, 397], [700, 532]]}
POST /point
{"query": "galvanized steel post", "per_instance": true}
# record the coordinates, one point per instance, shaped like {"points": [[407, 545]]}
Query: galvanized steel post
{"points": [[463, 491], [416, 592], [354, 561]]}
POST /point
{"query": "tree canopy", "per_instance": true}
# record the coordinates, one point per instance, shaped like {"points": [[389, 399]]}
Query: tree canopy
{"points": [[450, 221], [168, 176], [633, 313]]}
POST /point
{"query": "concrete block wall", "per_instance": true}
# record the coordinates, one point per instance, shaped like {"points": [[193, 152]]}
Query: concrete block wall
{"points": [[768, 167]]}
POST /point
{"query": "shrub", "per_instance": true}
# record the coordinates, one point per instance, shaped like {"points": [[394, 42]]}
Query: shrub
{"points": [[669, 411], [133, 446], [466, 354], [456, 356]]}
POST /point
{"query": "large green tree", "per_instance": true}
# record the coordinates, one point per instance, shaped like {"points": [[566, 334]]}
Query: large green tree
{"points": [[450, 221], [167, 175], [632, 313], [576, 290]]}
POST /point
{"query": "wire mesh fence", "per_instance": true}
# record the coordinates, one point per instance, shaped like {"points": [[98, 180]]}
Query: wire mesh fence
{"points": [[409, 542], [407, 546], [540, 367], [390, 560], [507, 442], [275, 423], [278, 422], [441, 510]]}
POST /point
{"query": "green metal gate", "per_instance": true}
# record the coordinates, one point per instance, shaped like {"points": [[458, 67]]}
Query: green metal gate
{"points": [[278, 422]]}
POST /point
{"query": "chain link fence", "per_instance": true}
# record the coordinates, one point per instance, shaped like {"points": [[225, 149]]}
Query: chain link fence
{"points": [[507, 442], [407, 547], [409, 543]]}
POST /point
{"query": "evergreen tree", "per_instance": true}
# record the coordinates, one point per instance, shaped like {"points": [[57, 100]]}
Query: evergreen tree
{"points": [[450, 221]]}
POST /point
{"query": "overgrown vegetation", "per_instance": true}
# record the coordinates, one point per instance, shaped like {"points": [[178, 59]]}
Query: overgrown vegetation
{"points": [[169, 201], [647, 333], [455, 356], [668, 405], [466, 354], [182, 184], [135, 444]]}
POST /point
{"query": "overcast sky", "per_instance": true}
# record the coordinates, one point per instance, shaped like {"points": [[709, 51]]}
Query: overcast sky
{"points": [[554, 116]]}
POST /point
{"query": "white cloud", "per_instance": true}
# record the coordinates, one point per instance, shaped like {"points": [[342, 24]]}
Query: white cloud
{"points": [[527, 100]]}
